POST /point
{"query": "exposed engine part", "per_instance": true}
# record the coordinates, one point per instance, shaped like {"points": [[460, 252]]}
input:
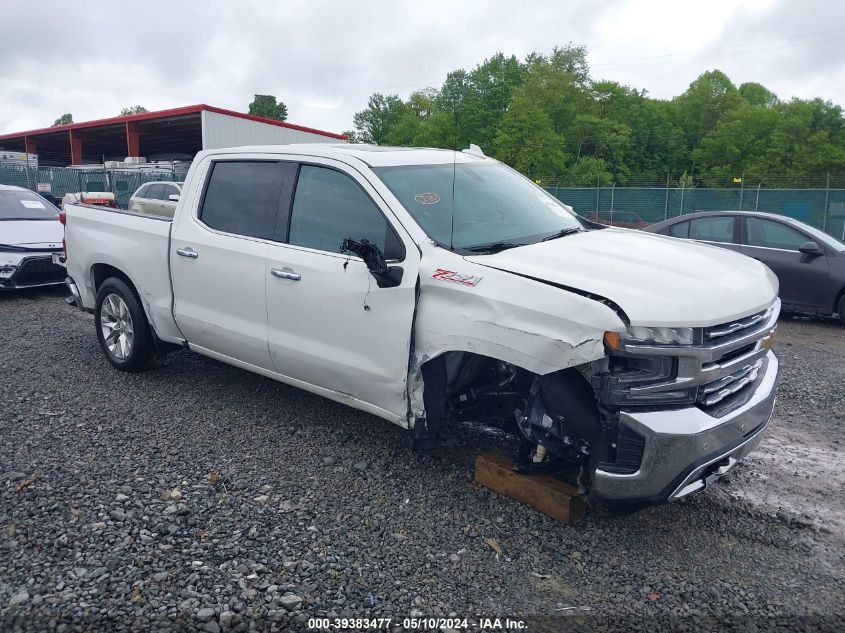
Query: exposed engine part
{"points": [[539, 454], [562, 419]]}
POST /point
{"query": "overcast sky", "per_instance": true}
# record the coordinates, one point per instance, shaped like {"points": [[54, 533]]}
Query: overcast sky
{"points": [[323, 59]]}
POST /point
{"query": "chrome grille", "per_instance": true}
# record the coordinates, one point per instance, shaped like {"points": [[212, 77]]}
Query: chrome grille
{"points": [[718, 390], [736, 327]]}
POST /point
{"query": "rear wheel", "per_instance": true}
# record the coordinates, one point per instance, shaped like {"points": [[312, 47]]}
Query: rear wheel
{"points": [[842, 309], [122, 327]]}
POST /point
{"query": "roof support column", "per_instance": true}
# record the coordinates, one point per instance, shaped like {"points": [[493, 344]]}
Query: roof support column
{"points": [[29, 145], [133, 144], [75, 147]]}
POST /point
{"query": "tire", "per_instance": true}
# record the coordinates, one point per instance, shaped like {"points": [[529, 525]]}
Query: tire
{"points": [[842, 308], [122, 328]]}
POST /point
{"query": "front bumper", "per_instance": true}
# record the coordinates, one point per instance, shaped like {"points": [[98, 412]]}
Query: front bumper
{"points": [[30, 272], [686, 449]]}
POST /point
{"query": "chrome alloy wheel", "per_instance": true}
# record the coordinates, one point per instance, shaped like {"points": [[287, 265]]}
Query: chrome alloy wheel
{"points": [[116, 324]]}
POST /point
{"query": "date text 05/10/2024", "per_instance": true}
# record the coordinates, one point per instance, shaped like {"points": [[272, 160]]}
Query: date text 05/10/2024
{"points": [[418, 624]]}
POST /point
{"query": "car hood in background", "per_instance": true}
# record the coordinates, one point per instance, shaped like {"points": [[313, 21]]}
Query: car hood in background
{"points": [[32, 234], [656, 280]]}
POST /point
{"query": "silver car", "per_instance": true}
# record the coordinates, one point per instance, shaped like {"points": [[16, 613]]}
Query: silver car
{"points": [[30, 232], [156, 198]]}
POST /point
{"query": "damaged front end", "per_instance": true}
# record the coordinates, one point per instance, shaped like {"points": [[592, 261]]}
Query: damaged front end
{"points": [[555, 417], [654, 420]]}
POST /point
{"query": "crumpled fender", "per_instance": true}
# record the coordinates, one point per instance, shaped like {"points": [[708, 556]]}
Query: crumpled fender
{"points": [[522, 321]]}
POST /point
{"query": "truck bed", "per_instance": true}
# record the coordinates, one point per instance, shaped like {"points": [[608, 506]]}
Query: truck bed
{"points": [[135, 243]]}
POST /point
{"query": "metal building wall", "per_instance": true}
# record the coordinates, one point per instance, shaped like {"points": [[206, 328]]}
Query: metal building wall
{"points": [[220, 130]]}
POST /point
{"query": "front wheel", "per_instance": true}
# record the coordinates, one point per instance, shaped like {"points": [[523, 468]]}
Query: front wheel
{"points": [[122, 327]]}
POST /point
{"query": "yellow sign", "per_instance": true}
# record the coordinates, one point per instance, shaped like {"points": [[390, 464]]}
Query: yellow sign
{"points": [[737, 180]]}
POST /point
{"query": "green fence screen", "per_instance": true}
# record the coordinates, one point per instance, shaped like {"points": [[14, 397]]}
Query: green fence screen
{"points": [[57, 181], [821, 208]]}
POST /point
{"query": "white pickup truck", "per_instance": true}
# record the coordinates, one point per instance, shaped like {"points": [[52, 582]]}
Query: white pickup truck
{"points": [[430, 287]]}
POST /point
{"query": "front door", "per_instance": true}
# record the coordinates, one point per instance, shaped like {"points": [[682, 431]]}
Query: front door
{"points": [[803, 278], [330, 325], [218, 259]]}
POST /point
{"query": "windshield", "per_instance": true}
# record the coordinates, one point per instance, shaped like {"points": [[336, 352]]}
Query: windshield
{"points": [[493, 204], [25, 205]]}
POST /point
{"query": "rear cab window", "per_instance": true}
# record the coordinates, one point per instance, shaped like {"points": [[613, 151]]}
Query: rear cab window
{"points": [[245, 198]]}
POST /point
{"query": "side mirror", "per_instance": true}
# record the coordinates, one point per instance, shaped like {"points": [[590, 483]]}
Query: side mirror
{"points": [[385, 276], [173, 197], [810, 248]]}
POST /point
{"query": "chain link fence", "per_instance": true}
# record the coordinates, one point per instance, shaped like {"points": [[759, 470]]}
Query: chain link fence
{"points": [[57, 181], [823, 208]]}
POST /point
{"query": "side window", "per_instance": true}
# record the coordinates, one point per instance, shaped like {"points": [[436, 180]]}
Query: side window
{"points": [[773, 235], [681, 229], [170, 190], [142, 191], [243, 197], [329, 207], [154, 191], [713, 229]]}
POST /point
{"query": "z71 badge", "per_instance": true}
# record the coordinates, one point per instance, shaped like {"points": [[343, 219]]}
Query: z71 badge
{"points": [[455, 277]]}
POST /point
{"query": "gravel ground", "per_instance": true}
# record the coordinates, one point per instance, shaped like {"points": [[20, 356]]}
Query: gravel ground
{"points": [[201, 497]]}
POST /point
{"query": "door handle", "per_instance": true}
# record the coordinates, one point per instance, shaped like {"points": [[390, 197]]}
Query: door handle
{"points": [[285, 273], [187, 252]]}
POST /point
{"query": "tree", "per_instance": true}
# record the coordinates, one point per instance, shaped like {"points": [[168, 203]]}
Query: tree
{"points": [[758, 95], [708, 99], [589, 172], [526, 141], [376, 121], [546, 117], [63, 120], [490, 88], [268, 107], [136, 109], [351, 136]]}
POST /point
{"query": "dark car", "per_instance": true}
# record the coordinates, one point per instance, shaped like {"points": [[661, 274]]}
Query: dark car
{"points": [[809, 263]]}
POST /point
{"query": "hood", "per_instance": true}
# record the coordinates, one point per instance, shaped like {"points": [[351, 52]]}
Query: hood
{"points": [[656, 280], [32, 234]]}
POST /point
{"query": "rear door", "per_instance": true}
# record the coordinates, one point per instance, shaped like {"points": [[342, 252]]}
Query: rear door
{"points": [[219, 255], [803, 278], [330, 325]]}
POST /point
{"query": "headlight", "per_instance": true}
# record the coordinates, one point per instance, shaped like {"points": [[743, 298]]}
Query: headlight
{"points": [[7, 271], [641, 335], [630, 377]]}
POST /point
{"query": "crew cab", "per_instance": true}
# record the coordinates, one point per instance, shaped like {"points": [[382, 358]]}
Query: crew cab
{"points": [[430, 287]]}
